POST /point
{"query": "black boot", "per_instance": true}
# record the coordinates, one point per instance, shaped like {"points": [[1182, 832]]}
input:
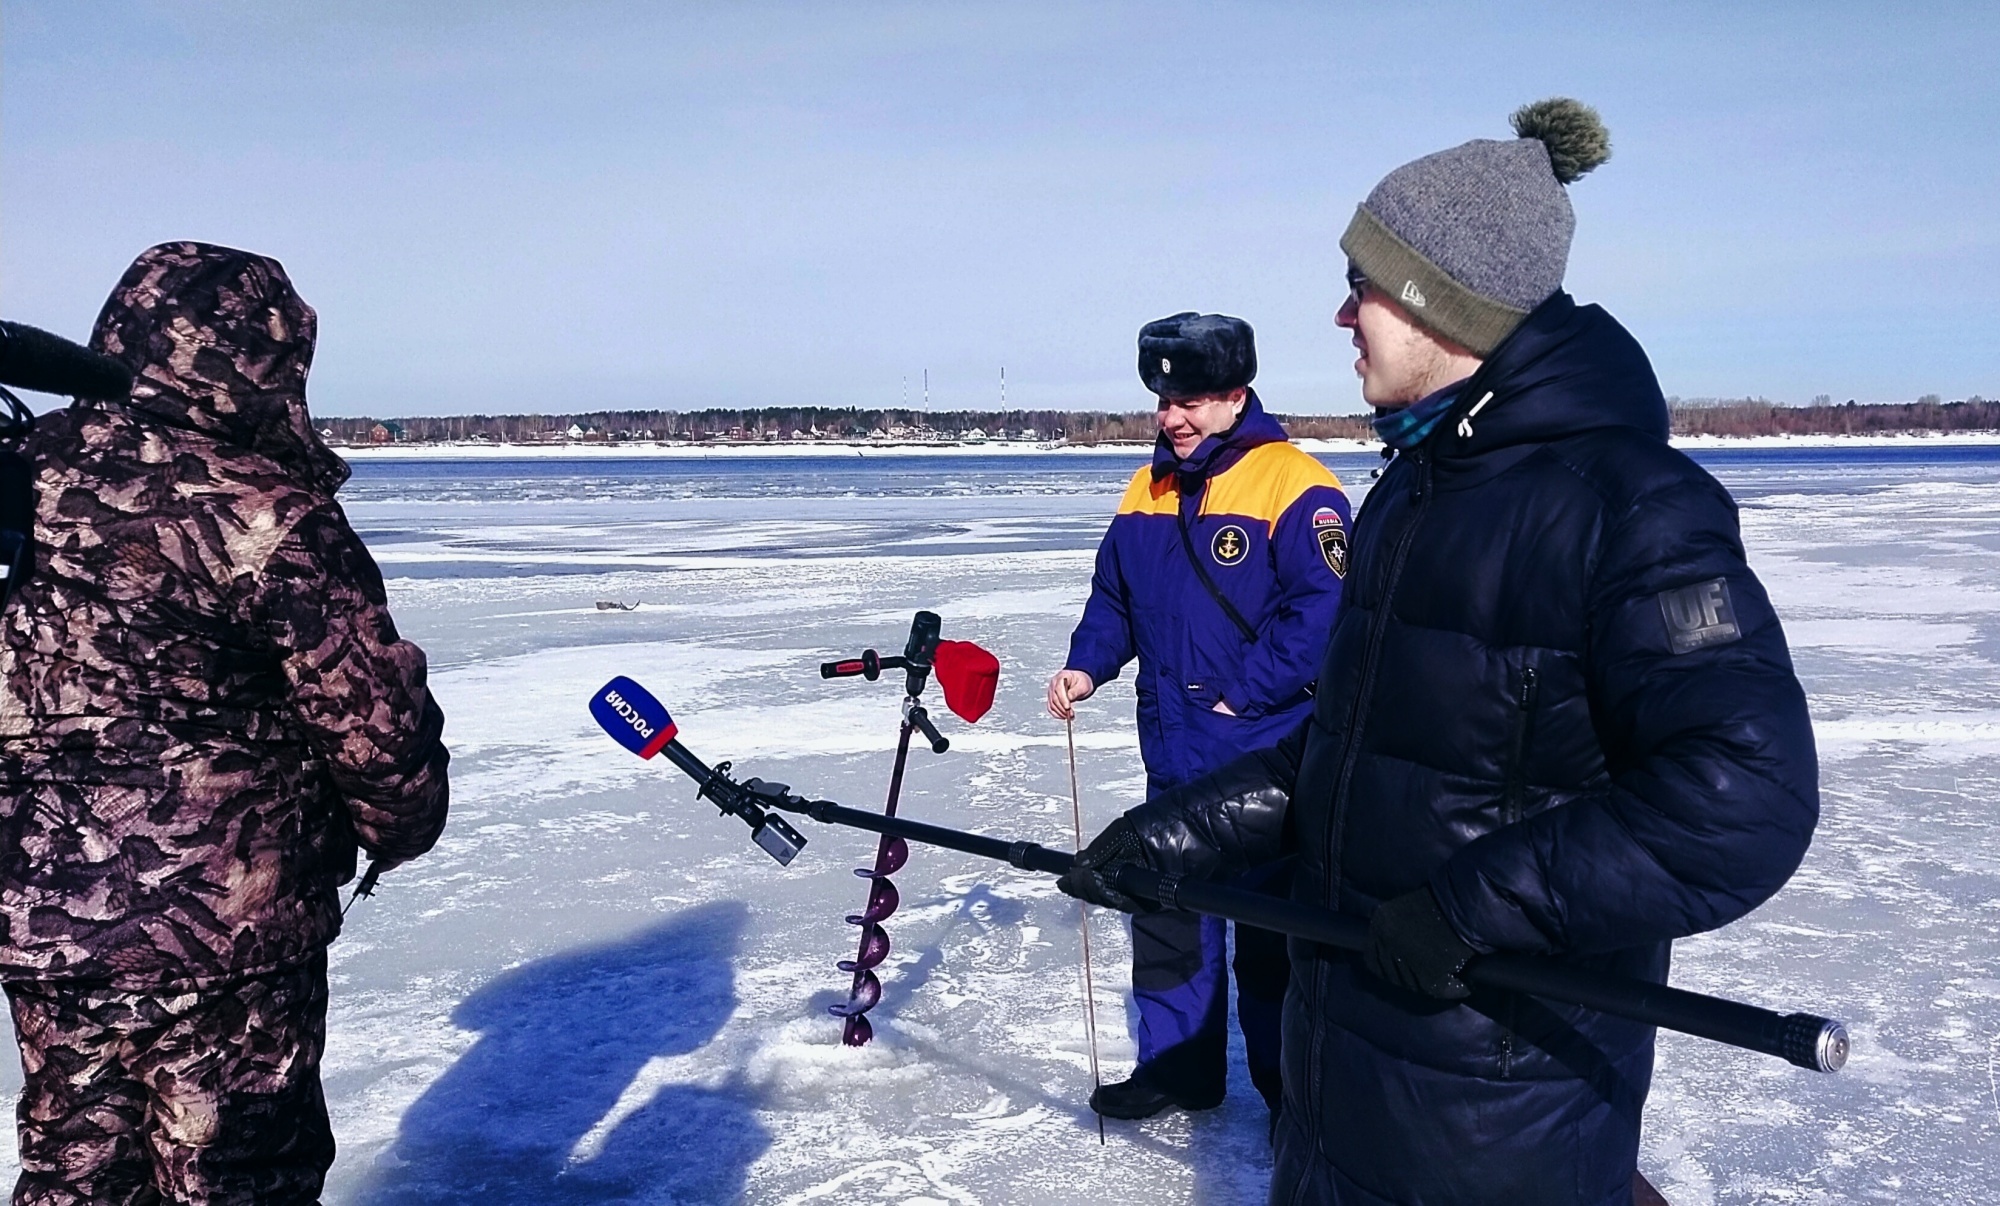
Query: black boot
{"points": [[1143, 1097]]}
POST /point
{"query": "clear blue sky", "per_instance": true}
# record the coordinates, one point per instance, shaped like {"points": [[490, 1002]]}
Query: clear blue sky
{"points": [[557, 206]]}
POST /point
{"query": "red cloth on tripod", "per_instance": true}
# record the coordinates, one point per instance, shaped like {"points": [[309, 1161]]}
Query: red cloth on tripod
{"points": [[968, 675]]}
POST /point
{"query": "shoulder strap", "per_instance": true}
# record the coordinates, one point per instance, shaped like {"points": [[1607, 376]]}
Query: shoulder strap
{"points": [[1214, 591]]}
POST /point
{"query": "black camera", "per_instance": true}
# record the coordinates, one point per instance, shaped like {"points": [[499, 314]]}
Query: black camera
{"points": [[31, 358]]}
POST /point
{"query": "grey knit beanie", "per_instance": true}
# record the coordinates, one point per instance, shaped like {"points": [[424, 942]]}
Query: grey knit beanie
{"points": [[1467, 241]]}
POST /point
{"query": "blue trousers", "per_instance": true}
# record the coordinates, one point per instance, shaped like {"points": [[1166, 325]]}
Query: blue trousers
{"points": [[1180, 981]]}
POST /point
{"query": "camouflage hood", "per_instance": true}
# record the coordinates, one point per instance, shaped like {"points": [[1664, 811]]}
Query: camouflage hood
{"points": [[219, 341]]}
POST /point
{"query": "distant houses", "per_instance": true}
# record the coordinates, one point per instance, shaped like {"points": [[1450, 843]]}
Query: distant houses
{"points": [[752, 427], [770, 427]]}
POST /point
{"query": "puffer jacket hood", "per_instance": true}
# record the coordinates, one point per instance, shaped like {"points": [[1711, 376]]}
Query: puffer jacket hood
{"points": [[1566, 370], [220, 342]]}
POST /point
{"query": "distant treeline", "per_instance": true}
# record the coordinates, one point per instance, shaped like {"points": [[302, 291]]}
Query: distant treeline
{"points": [[1756, 417], [788, 423], [1693, 416]]}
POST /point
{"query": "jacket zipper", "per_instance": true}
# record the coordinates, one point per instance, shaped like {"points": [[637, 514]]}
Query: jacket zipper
{"points": [[1377, 632], [1516, 796]]}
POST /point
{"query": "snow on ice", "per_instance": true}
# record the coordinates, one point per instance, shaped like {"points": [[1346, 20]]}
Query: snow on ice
{"points": [[596, 990]]}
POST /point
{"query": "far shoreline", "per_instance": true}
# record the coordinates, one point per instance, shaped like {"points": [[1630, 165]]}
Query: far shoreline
{"points": [[827, 449]]}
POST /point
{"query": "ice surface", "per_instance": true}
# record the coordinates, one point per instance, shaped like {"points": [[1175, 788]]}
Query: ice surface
{"points": [[596, 989]]}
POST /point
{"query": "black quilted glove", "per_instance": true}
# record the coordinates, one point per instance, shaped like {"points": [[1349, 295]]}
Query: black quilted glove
{"points": [[1412, 945], [1090, 877]]}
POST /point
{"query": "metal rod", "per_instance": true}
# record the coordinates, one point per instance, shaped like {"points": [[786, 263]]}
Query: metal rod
{"points": [[1083, 919], [896, 771]]}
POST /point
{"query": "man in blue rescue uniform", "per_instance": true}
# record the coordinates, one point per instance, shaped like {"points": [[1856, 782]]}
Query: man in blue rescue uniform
{"points": [[1220, 574]]}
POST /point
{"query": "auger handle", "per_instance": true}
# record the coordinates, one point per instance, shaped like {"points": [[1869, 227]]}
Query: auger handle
{"points": [[921, 721], [869, 665]]}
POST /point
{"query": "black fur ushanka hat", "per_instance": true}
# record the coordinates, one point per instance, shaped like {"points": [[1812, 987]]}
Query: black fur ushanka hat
{"points": [[1194, 355]]}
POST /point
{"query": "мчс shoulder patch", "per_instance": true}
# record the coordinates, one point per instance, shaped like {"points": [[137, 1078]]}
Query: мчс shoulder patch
{"points": [[1699, 616], [1332, 537]]}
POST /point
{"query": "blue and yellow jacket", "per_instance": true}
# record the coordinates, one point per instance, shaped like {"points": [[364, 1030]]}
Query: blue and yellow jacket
{"points": [[1270, 525]]}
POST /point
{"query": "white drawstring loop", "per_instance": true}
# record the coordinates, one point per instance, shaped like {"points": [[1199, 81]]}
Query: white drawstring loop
{"points": [[1465, 424]]}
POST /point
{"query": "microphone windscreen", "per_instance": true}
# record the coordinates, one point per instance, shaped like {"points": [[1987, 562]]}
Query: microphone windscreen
{"points": [[31, 358], [633, 717], [969, 676]]}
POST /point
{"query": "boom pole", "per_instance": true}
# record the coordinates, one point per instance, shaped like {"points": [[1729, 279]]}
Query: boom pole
{"points": [[1807, 1040]]}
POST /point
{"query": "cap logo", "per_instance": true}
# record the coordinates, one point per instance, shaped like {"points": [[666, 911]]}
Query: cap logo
{"points": [[1413, 295], [1166, 365]]}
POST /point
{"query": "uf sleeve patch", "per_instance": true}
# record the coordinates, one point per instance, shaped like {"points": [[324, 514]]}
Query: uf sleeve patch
{"points": [[1699, 616]]}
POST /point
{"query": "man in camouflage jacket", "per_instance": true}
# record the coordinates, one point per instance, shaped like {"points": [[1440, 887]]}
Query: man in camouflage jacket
{"points": [[204, 708]]}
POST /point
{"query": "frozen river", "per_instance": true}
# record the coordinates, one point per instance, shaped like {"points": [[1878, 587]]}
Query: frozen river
{"points": [[595, 990]]}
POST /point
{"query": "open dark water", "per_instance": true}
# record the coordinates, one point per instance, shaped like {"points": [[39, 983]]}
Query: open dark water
{"points": [[917, 476]]}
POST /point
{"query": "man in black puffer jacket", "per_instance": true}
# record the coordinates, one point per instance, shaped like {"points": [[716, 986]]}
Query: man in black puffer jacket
{"points": [[1557, 715]]}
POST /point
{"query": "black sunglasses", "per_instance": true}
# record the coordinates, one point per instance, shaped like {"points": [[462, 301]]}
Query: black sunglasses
{"points": [[1356, 282]]}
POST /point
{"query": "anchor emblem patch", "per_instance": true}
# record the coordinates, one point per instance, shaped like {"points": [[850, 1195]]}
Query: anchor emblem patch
{"points": [[1230, 545]]}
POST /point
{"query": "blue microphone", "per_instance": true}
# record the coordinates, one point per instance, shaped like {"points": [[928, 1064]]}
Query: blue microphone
{"points": [[641, 724], [633, 717]]}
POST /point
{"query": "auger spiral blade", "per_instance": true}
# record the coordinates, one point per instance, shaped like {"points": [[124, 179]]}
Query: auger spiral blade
{"points": [[874, 949], [882, 901], [889, 859], [866, 995]]}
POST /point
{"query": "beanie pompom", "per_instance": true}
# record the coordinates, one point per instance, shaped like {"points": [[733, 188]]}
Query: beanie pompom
{"points": [[1571, 130]]}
